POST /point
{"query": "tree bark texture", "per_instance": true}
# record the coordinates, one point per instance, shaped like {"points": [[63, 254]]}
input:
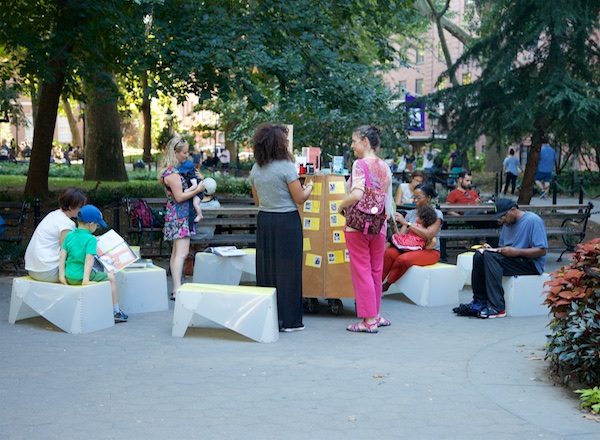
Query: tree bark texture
{"points": [[43, 130], [146, 115], [77, 140], [104, 150]]}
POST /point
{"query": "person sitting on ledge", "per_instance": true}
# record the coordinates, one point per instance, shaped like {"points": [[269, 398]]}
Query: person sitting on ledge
{"points": [[522, 251]]}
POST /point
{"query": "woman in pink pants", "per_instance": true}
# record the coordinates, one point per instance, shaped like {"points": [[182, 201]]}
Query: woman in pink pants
{"points": [[366, 251]]}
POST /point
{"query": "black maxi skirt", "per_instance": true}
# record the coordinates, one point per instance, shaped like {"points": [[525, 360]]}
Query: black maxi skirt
{"points": [[279, 262]]}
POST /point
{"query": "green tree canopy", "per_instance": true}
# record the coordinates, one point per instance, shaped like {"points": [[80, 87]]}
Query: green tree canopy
{"points": [[539, 77]]}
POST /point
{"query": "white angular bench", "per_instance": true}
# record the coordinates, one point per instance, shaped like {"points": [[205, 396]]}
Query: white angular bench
{"points": [[523, 295], [142, 290], [464, 266], [73, 309], [434, 285], [248, 310], [214, 269]]}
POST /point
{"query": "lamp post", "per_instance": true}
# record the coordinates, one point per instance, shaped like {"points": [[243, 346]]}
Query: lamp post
{"points": [[169, 118]]}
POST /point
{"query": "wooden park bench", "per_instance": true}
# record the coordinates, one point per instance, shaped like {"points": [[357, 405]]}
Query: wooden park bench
{"points": [[567, 221], [13, 214]]}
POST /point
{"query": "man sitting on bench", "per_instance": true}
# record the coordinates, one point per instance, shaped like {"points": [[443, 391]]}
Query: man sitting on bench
{"points": [[463, 194], [522, 251]]}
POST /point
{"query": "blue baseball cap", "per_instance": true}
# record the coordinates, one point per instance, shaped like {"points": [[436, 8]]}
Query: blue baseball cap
{"points": [[89, 214]]}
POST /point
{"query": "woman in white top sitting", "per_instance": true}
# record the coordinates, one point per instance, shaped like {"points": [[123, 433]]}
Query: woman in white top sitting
{"points": [[43, 252], [404, 194]]}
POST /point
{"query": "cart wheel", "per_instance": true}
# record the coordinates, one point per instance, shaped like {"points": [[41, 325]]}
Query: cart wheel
{"points": [[311, 305], [336, 306]]}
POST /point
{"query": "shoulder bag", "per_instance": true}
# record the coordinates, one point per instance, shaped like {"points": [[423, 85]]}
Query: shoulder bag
{"points": [[368, 214]]}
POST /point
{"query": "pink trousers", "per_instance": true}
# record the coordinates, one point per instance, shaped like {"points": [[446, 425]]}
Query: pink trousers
{"points": [[366, 266]]}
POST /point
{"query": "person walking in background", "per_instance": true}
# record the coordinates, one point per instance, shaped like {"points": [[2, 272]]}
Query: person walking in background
{"points": [[277, 191], [511, 167], [366, 250], [43, 251], [77, 256], [545, 169], [404, 194], [178, 228]]}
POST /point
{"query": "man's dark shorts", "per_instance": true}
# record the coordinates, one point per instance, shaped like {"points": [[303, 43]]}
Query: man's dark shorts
{"points": [[545, 177]]}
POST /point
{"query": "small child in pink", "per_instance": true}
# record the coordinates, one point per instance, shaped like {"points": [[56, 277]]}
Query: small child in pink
{"points": [[409, 241]]}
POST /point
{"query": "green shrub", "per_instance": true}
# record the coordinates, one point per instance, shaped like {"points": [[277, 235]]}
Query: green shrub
{"points": [[590, 398], [573, 347]]}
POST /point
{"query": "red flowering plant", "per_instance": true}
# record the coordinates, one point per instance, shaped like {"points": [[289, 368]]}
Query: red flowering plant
{"points": [[573, 296], [576, 282]]}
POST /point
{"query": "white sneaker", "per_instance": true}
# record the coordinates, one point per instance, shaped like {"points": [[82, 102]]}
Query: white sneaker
{"points": [[292, 329]]}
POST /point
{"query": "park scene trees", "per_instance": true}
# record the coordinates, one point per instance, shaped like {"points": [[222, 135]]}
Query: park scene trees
{"points": [[319, 66]]}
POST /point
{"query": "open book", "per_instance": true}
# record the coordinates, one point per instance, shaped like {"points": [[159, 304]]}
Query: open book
{"points": [[226, 251], [482, 249], [113, 252]]}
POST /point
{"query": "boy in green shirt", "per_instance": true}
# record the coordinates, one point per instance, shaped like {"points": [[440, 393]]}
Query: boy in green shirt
{"points": [[77, 256]]}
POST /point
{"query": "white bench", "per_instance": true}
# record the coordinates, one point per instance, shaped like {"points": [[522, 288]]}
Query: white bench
{"points": [[433, 285], [142, 290], [247, 310], [464, 267], [523, 295], [214, 269], [74, 309]]}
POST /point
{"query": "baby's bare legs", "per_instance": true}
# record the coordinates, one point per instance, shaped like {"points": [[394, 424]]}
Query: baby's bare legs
{"points": [[196, 203]]}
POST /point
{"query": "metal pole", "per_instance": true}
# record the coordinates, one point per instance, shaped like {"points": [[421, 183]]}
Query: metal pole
{"points": [[572, 192], [36, 212], [496, 189], [501, 182], [554, 189], [581, 190], [116, 213]]}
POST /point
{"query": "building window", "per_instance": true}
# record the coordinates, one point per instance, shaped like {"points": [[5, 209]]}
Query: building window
{"points": [[443, 83], [420, 55], [419, 86], [466, 78]]}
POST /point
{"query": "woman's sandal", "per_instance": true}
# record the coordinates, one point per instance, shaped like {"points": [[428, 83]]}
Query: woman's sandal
{"points": [[172, 297], [365, 328], [383, 322]]}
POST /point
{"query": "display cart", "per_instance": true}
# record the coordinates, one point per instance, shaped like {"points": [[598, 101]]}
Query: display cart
{"points": [[326, 262]]}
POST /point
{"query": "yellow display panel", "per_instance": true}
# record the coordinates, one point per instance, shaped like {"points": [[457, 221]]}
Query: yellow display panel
{"points": [[335, 257], [312, 206], [311, 223], [313, 260], [338, 236]]}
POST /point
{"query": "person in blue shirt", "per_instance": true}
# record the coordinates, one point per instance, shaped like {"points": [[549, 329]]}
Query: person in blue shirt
{"points": [[511, 167], [522, 251], [545, 169]]}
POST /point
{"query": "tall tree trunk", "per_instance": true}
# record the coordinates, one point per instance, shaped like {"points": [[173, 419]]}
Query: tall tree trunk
{"points": [[43, 130], [230, 145], [104, 150], [533, 157], [72, 123], [147, 116]]}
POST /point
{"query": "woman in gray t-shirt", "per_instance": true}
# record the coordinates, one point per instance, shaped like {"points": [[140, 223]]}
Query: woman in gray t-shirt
{"points": [[277, 191]]}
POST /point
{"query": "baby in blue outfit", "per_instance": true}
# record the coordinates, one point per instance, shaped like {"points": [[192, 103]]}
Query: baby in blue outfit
{"points": [[188, 171]]}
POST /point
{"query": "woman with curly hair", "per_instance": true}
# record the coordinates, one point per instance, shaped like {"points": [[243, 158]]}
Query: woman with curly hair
{"points": [[277, 191]]}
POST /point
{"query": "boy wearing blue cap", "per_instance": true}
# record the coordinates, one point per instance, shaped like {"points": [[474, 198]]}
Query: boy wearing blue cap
{"points": [[77, 256]]}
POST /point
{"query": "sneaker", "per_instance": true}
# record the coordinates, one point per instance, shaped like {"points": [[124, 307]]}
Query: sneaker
{"points": [[121, 317], [292, 329], [544, 194], [491, 313], [472, 306]]}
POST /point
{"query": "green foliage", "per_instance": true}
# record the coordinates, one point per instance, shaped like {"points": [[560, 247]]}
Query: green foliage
{"points": [[590, 398], [574, 298]]}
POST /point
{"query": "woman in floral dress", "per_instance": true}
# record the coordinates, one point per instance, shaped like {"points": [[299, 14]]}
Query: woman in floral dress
{"points": [[178, 226]]}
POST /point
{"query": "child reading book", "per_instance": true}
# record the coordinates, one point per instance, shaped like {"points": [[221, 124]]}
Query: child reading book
{"points": [[78, 253], [409, 241], [188, 171]]}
